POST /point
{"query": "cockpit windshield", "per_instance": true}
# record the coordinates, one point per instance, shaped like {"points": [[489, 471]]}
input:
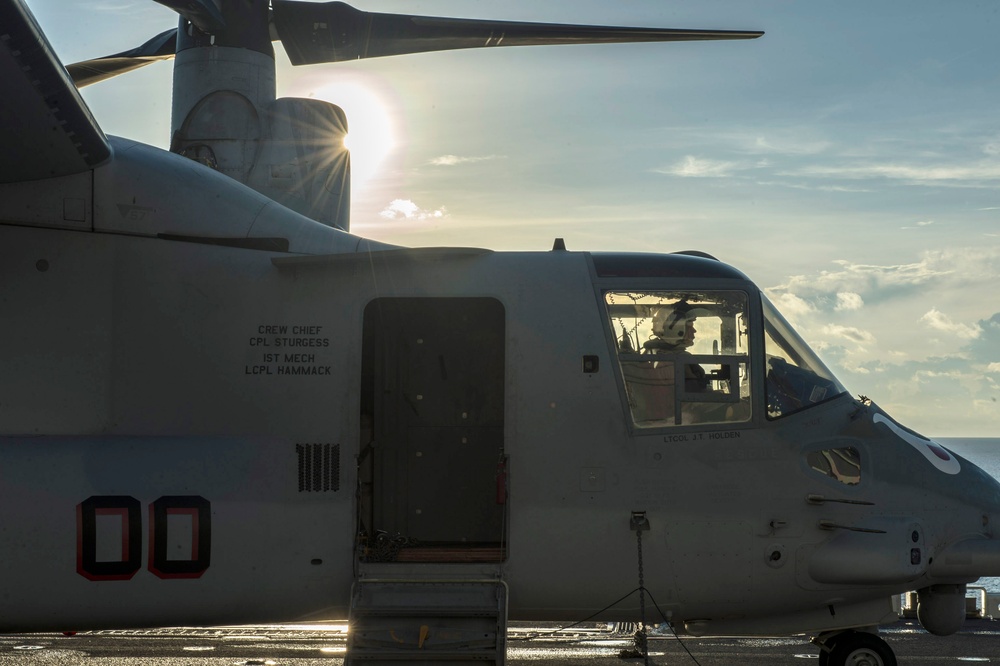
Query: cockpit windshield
{"points": [[796, 378]]}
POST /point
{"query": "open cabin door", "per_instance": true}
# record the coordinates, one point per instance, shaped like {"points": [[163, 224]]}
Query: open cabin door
{"points": [[432, 463]]}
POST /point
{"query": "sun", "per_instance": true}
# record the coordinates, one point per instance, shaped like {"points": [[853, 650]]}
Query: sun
{"points": [[371, 133]]}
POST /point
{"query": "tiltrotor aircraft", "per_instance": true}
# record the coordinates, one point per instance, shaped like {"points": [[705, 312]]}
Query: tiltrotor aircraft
{"points": [[219, 406]]}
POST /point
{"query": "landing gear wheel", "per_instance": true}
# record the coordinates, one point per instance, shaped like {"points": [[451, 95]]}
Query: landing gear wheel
{"points": [[858, 648]]}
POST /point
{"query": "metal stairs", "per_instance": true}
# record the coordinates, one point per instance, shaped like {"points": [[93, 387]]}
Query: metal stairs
{"points": [[427, 614]]}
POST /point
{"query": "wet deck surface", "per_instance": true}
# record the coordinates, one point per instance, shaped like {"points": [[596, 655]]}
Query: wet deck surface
{"points": [[300, 645]]}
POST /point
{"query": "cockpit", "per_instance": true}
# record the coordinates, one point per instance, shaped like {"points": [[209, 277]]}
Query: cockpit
{"points": [[692, 355], [683, 355]]}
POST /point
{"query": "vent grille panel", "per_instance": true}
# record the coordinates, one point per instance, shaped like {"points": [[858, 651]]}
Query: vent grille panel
{"points": [[319, 467]]}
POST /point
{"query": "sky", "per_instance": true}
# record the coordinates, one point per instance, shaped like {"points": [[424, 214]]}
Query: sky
{"points": [[848, 161]]}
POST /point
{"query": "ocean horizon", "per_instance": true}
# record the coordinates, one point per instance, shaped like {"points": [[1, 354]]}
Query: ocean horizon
{"points": [[984, 452]]}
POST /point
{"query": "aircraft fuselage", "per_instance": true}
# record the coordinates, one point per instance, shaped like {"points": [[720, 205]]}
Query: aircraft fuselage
{"points": [[197, 434]]}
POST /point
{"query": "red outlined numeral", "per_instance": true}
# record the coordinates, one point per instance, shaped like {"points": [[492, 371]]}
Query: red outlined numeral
{"points": [[121, 560], [128, 510], [161, 563]]}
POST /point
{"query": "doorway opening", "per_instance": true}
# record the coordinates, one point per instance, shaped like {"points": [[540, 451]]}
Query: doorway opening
{"points": [[432, 467]]}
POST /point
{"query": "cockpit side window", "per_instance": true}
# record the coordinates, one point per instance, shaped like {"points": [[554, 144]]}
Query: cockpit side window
{"points": [[841, 464], [796, 377], [683, 355]]}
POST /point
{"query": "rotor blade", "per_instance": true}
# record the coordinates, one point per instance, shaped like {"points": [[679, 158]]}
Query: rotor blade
{"points": [[333, 31], [161, 47], [204, 14]]}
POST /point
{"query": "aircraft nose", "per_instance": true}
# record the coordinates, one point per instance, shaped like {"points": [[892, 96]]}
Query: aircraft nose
{"points": [[972, 551], [975, 552], [983, 492], [958, 478]]}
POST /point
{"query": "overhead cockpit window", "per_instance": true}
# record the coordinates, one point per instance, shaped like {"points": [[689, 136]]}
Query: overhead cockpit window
{"points": [[683, 355], [796, 378]]}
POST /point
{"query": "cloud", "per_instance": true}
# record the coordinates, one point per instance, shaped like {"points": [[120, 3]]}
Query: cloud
{"points": [[848, 300], [926, 376], [453, 160], [790, 145], [849, 333], [941, 270], [982, 174], [861, 279], [940, 321], [700, 167], [791, 305], [921, 224], [121, 7], [992, 147], [984, 348], [773, 141], [812, 187], [404, 209], [114, 6]]}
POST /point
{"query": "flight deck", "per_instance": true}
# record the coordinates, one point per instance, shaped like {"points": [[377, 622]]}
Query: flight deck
{"points": [[535, 644]]}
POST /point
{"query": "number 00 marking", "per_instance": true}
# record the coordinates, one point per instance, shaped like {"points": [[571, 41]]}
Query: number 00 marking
{"points": [[127, 557]]}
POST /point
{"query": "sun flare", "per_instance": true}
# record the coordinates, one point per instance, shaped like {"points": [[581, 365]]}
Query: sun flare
{"points": [[371, 128]]}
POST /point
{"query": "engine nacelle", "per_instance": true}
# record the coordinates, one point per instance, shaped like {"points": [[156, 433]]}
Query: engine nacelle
{"points": [[303, 163], [226, 117], [941, 608]]}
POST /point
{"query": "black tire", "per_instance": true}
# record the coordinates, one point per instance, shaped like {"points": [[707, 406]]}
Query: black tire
{"points": [[858, 648]]}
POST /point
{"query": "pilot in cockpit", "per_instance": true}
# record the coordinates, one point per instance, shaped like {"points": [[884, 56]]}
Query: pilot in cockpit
{"points": [[673, 333]]}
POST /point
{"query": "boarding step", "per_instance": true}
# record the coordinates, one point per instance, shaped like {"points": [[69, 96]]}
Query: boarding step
{"points": [[421, 620]]}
